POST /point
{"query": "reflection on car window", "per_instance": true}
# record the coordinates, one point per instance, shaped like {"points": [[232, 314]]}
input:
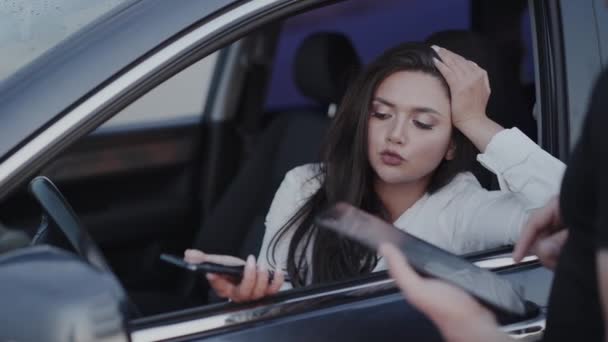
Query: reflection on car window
{"points": [[183, 96], [28, 28]]}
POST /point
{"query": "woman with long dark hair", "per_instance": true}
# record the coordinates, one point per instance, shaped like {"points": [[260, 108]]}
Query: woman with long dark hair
{"points": [[400, 146]]}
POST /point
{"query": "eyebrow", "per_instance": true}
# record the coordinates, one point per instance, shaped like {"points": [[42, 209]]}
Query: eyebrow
{"points": [[414, 109]]}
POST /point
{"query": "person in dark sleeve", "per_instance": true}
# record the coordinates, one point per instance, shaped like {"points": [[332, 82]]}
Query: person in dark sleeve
{"points": [[582, 269], [578, 303]]}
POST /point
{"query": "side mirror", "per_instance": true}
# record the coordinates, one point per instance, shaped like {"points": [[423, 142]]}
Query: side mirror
{"points": [[48, 294]]}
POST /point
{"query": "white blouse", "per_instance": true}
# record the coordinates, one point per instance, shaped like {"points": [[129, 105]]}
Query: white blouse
{"points": [[461, 217]]}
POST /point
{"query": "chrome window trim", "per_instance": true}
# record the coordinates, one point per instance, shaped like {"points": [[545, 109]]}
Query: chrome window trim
{"points": [[529, 330], [64, 126], [502, 260], [260, 311], [293, 305]]}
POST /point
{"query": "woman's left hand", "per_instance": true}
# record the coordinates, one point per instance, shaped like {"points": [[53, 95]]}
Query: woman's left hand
{"points": [[469, 86]]}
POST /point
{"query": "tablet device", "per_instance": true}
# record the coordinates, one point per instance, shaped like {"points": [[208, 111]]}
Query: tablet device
{"points": [[425, 258]]}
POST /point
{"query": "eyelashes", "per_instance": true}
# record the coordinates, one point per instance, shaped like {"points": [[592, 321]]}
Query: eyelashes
{"points": [[417, 123], [422, 125], [380, 115]]}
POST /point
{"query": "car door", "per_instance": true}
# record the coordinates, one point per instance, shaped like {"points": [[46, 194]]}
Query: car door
{"points": [[556, 36], [136, 180], [136, 184], [113, 87]]}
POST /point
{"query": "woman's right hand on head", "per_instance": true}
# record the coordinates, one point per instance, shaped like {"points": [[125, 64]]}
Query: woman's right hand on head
{"points": [[469, 86], [254, 285]]}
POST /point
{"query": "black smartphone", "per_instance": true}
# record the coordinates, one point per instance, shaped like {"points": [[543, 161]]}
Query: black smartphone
{"points": [[209, 267], [205, 267], [428, 259]]}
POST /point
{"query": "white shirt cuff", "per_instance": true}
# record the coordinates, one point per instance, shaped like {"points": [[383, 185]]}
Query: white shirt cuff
{"points": [[507, 148]]}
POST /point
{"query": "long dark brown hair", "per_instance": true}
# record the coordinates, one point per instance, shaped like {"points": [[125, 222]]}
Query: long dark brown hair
{"points": [[346, 175]]}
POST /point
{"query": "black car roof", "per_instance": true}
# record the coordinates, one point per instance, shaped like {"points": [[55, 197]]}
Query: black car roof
{"points": [[42, 90]]}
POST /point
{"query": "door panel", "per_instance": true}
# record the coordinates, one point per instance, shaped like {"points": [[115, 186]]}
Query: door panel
{"points": [[387, 318], [134, 182], [369, 308], [134, 190]]}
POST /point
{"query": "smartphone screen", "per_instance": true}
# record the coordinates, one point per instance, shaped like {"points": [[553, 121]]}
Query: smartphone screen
{"points": [[424, 257]]}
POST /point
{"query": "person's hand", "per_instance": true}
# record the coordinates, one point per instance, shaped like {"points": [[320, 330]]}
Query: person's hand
{"points": [[469, 86], [456, 314], [543, 235], [254, 285]]}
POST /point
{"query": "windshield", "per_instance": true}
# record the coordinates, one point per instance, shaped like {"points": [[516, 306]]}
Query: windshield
{"points": [[28, 28]]}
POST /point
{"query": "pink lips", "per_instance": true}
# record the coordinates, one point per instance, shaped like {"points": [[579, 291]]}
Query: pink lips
{"points": [[391, 158]]}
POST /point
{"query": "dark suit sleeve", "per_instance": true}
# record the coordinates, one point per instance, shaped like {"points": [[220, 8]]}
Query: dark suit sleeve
{"points": [[598, 129]]}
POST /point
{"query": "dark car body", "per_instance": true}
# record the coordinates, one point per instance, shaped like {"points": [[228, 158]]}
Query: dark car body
{"points": [[142, 190]]}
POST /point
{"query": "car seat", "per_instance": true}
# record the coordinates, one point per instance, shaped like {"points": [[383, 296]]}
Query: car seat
{"points": [[325, 63]]}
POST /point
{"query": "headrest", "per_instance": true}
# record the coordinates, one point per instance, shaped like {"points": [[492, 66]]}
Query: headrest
{"points": [[324, 65], [470, 45]]}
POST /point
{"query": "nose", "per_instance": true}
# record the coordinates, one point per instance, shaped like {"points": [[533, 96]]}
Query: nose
{"points": [[396, 133]]}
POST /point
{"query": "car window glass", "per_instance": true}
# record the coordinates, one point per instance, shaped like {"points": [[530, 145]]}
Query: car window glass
{"points": [[601, 11], [182, 96], [28, 28], [527, 68]]}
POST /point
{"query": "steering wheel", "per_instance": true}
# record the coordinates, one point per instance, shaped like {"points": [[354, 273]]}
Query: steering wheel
{"points": [[62, 228]]}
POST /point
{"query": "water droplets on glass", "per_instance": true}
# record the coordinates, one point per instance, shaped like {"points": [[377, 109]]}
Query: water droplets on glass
{"points": [[28, 28]]}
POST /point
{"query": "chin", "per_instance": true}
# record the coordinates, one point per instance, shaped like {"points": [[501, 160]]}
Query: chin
{"points": [[393, 176]]}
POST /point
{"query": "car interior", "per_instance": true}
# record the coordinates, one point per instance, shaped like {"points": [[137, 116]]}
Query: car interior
{"points": [[206, 180]]}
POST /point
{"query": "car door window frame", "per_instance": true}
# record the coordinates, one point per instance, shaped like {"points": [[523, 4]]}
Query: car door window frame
{"points": [[551, 92], [133, 83], [187, 90], [580, 24], [205, 321], [142, 77]]}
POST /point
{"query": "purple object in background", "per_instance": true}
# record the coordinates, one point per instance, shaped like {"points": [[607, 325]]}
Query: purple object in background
{"points": [[371, 28], [526, 36]]}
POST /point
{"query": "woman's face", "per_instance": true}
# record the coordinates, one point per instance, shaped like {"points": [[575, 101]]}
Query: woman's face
{"points": [[410, 127]]}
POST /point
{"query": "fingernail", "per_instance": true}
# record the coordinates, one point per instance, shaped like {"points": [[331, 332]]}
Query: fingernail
{"points": [[210, 276], [435, 47], [251, 260]]}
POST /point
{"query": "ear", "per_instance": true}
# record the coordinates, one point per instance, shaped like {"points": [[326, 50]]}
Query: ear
{"points": [[451, 152]]}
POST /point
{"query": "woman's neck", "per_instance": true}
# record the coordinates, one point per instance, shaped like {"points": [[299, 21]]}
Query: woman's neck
{"points": [[397, 198]]}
